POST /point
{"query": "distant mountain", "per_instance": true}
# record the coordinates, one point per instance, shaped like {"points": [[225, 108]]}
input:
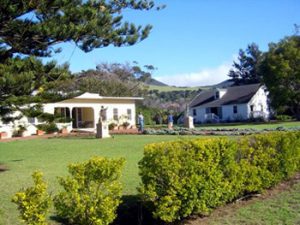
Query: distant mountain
{"points": [[154, 82], [157, 85]]}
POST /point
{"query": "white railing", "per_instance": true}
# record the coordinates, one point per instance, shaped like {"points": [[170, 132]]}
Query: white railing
{"points": [[257, 114], [211, 117]]}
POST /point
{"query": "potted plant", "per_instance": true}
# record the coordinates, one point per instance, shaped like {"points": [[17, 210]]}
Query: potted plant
{"points": [[126, 124], [51, 128], [64, 130], [21, 130], [40, 129], [112, 126], [3, 135]]}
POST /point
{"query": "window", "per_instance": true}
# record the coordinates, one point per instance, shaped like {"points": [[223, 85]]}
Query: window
{"points": [[251, 108], [129, 114], [194, 112], [116, 116], [217, 95], [31, 120], [207, 110], [62, 112], [235, 110]]}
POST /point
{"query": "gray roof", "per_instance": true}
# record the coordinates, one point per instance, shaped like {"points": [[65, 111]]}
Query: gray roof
{"points": [[234, 95]]}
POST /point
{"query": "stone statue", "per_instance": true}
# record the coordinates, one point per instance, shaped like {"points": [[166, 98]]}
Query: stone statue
{"points": [[102, 114], [102, 127]]}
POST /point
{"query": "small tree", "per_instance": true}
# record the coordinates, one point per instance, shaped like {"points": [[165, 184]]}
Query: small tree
{"points": [[33, 202], [92, 193]]}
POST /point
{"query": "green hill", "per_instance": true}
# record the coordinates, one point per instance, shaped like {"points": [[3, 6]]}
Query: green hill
{"points": [[172, 88], [154, 82], [167, 88]]}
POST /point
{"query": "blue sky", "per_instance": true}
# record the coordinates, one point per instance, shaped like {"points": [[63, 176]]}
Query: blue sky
{"points": [[194, 42]]}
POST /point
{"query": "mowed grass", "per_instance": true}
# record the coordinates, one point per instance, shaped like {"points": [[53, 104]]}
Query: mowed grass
{"points": [[51, 156], [277, 209]]}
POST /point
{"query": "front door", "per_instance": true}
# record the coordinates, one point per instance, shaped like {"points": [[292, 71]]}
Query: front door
{"points": [[217, 111]]}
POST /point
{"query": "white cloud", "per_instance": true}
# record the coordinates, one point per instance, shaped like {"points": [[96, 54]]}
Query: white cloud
{"points": [[203, 77]]}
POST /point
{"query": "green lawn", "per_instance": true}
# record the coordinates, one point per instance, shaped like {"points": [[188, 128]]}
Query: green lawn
{"points": [[283, 208], [52, 156]]}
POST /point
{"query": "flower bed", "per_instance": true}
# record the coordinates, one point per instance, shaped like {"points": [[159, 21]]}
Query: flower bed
{"points": [[216, 131]]}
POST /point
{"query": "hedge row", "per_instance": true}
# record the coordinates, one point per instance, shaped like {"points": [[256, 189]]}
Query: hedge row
{"points": [[186, 177]]}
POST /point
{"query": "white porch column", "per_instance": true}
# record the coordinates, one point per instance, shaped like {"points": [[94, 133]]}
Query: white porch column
{"points": [[71, 116]]}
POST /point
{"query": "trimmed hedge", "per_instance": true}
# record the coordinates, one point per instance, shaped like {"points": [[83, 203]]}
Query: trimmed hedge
{"points": [[186, 177]]}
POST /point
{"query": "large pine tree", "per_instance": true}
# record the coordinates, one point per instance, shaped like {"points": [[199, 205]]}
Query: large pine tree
{"points": [[245, 71], [33, 28]]}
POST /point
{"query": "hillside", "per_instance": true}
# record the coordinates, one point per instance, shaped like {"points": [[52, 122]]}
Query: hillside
{"points": [[172, 88], [154, 82], [166, 88]]}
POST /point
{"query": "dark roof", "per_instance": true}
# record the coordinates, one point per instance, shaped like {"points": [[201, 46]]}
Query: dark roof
{"points": [[234, 95]]}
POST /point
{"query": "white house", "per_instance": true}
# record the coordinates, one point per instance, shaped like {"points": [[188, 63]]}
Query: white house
{"points": [[235, 103], [83, 112]]}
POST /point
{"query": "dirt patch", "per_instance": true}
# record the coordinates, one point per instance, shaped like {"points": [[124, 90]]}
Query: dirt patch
{"points": [[234, 206], [3, 168]]}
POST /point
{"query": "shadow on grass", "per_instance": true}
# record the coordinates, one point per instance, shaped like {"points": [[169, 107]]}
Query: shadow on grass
{"points": [[3, 168], [74, 137], [130, 212]]}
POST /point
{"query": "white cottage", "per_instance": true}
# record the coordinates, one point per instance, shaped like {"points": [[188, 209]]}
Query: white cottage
{"points": [[235, 103], [83, 111]]}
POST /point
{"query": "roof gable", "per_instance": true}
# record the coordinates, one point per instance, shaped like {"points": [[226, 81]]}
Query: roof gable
{"points": [[88, 95]]}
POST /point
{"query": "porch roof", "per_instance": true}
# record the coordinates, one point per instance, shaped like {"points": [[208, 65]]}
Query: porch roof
{"points": [[88, 95]]}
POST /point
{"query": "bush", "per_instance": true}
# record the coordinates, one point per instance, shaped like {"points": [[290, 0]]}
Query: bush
{"points": [[92, 193], [267, 159], [283, 118], [125, 124], [33, 202], [187, 177], [48, 127], [112, 126]]}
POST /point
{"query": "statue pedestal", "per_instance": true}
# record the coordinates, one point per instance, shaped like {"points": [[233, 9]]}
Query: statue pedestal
{"points": [[102, 130], [170, 125], [189, 122]]}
